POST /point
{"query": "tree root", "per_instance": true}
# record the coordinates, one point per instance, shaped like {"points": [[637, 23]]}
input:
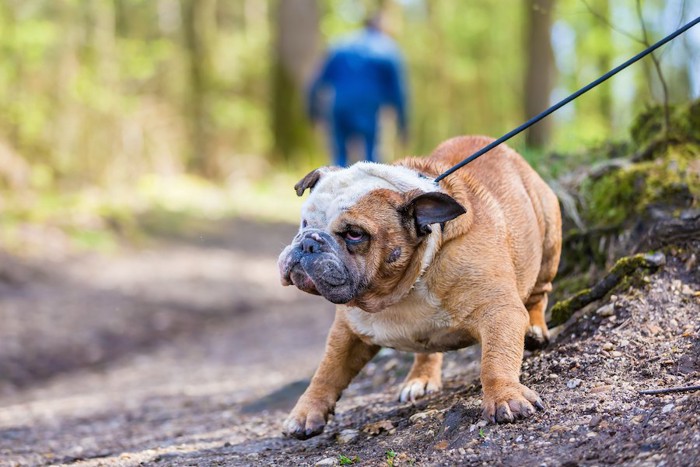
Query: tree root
{"points": [[670, 231], [622, 269]]}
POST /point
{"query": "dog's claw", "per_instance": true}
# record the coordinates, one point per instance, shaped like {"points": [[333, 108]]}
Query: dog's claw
{"points": [[504, 415], [509, 403], [416, 388], [304, 423]]}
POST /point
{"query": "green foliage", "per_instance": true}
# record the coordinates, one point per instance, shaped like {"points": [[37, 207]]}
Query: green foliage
{"points": [[117, 101], [345, 460], [390, 456]]}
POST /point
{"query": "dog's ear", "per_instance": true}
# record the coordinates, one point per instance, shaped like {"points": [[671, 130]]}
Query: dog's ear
{"points": [[431, 208], [311, 179]]}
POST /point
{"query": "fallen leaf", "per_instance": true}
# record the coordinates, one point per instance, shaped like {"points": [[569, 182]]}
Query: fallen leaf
{"points": [[442, 445], [377, 427]]}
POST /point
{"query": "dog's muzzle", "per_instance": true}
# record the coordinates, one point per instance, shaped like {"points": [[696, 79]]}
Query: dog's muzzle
{"points": [[313, 265]]}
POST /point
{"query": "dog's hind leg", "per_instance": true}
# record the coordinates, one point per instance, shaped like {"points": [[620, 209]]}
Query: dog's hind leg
{"points": [[424, 378], [537, 335]]}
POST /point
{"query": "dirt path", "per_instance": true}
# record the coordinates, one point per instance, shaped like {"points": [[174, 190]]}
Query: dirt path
{"points": [[190, 353], [125, 357]]}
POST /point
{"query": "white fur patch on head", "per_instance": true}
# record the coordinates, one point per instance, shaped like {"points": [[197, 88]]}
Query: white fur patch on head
{"points": [[339, 190]]}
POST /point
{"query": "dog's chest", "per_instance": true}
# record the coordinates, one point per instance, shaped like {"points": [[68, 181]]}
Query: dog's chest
{"points": [[416, 324]]}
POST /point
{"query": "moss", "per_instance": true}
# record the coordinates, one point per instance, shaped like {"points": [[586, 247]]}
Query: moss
{"points": [[567, 285], [684, 124], [647, 126], [672, 181], [562, 311]]}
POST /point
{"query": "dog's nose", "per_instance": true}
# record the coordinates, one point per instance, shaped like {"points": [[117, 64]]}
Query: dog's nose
{"points": [[312, 243]]}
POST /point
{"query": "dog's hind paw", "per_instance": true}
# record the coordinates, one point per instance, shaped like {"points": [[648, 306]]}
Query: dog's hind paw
{"points": [[415, 388], [536, 338]]}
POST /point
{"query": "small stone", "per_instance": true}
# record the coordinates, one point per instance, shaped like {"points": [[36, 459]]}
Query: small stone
{"points": [[616, 354], [624, 343], [686, 290], [462, 451], [573, 383], [591, 434], [553, 376], [326, 461], [391, 365], [481, 423], [608, 346], [603, 388], [519, 439], [558, 428], [606, 310], [667, 408], [422, 416], [347, 436], [595, 421]]}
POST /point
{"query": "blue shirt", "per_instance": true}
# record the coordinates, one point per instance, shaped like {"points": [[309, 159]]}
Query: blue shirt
{"points": [[365, 71]]}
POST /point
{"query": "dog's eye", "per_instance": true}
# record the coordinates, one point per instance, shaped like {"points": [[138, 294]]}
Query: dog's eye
{"points": [[355, 236], [304, 224]]}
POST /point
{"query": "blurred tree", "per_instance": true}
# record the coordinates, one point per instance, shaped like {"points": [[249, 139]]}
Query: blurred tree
{"points": [[540, 70], [296, 47], [200, 30], [103, 91]]}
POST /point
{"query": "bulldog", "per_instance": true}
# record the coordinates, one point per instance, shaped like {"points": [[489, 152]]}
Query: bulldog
{"points": [[427, 268]]}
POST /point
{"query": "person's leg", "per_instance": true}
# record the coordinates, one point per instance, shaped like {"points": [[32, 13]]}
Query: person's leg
{"points": [[371, 152], [339, 139]]}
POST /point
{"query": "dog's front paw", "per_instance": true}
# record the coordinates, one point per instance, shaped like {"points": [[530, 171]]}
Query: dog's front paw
{"points": [[306, 420], [508, 401], [415, 388]]}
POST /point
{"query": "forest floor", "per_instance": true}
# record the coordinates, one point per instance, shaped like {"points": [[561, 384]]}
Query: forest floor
{"points": [[187, 351]]}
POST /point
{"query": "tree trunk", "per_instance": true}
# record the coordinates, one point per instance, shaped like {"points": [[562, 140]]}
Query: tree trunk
{"points": [[200, 28], [295, 52], [540, 72]]}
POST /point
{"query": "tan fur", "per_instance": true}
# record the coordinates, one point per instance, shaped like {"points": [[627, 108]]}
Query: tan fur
{"points": [[487, 280]]}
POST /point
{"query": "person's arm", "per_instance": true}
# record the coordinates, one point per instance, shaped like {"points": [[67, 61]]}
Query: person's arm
{"points": [[317, 85], [397, 93]]}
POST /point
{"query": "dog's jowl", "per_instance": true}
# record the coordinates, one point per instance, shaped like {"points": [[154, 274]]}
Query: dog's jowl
{"points": [[427, 268]]}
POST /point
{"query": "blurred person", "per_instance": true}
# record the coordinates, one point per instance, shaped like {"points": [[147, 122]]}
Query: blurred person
{"points": [[365, 72]]}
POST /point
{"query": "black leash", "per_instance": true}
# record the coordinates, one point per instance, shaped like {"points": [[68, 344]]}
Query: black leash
{"points": [[565, 101]]}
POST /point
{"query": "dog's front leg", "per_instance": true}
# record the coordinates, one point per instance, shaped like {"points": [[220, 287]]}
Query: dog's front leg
{"points": [[345, 356], [502, 331]]}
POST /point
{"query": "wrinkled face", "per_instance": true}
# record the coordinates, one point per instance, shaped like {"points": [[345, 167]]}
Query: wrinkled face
{"points": [[360, 229]]}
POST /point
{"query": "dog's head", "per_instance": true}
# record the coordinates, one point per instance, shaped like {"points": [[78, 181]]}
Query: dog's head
{"points": [[360, 230]]}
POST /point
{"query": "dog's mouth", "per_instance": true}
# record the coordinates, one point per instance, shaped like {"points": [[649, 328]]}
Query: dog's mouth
{"points": [[302, 280]]}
